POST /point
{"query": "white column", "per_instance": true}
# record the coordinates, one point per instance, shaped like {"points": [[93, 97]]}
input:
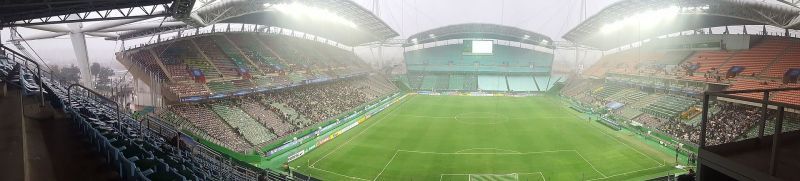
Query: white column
{"points": [[79, 46]]}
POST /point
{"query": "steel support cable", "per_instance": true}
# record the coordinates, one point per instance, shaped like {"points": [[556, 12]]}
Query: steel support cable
{"points": [[34, 50]]}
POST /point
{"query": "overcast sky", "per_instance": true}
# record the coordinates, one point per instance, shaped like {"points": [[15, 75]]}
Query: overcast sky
{"points": [[549, 17]]}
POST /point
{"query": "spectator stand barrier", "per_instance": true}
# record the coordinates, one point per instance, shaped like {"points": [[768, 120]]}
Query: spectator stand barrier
{"points": [[281, 146], [135, 149], [714, 153], [682, 149], [321, 137]]}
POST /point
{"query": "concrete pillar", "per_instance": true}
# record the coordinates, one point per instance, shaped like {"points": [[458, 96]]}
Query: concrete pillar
{"points": [[82, 55]]}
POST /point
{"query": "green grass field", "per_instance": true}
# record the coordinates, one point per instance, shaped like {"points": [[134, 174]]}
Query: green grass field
{"points": [[491, 138]]}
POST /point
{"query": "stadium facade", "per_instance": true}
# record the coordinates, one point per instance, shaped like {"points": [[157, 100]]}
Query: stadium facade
{"points": [[479, 57]]}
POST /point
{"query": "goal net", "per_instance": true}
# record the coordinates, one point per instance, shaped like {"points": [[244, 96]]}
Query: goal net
{"points": [[494, 177]]}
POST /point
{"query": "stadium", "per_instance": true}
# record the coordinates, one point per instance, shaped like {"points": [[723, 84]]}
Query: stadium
{"points": [[337, 90]]}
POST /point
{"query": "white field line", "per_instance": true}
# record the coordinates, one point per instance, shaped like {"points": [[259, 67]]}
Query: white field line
{"points": [[512, 151], [387, 165], [623, 143], [454, 117], [351, 177], [430, 117], [517, 153], [627, 173], [629, 146], [540, 174], [394, 108], [591, 165], [441, 176]]}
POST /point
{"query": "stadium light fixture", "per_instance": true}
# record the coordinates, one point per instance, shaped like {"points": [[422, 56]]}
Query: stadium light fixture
{"points": [[432, 35], [646, 19], [414, 41], [544, 42], [298, 10], [611, 27], [526, 37]]}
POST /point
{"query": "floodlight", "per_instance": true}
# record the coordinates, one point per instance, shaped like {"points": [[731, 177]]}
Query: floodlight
{"points": [[298, 10], [526, 37], [432, 35], [646, 19], [608, 28]]}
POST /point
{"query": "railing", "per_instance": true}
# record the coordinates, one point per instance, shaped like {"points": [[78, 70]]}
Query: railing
{"points": [[164, 130], [17, 56], [234, 170], [92, 94], [769, 111]]}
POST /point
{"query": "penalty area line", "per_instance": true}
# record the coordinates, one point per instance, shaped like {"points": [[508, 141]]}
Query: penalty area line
{"points": [[387, 165], [590, 164], [441, 176]]}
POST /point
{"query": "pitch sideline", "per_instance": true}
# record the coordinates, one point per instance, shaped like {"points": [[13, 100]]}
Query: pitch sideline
{"points": [[441, 176], [516, 153], [394, 108]]}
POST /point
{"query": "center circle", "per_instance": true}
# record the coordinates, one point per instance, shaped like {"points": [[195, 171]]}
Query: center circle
{"points": [[481, 118]]}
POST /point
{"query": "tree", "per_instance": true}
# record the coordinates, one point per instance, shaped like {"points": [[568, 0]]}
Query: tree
{"points": [[103, 78], [95, 69], [69, 75]]}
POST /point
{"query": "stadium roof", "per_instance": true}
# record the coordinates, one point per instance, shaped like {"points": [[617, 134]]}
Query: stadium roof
{"points": [[35, 12], [360, 25], [479, 30], [612, 27]]}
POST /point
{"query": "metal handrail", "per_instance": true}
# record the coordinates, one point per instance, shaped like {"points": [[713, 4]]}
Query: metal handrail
{"points": [[730, 94], [38, 70], [119, 113], [90, 91]]}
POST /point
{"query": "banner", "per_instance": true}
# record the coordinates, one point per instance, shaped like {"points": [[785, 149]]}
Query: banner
{"points": [[326, 130], [297, 155]]}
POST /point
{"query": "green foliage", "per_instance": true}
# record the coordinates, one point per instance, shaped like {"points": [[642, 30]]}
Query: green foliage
{"points": [[102, 76], [70, 74]]}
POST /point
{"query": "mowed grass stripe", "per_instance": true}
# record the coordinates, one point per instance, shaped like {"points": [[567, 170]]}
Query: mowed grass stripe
{"points": [[493, 137]]}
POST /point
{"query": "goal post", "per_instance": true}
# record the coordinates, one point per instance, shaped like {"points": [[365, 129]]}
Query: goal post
{"points": [[494, 177]]}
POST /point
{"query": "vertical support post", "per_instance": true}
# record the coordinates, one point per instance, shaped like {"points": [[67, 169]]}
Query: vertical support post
{"points": [[763, 122], [41, 89], [704, 120], [773, 164]]}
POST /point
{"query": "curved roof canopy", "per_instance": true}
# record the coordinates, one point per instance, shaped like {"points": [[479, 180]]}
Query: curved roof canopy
{"points": [[479, 30], [629, 21], [343, 21], [25, 13]]}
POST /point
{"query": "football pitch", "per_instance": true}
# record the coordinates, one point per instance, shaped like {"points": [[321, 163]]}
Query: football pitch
{"points": [[483, 138]]}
